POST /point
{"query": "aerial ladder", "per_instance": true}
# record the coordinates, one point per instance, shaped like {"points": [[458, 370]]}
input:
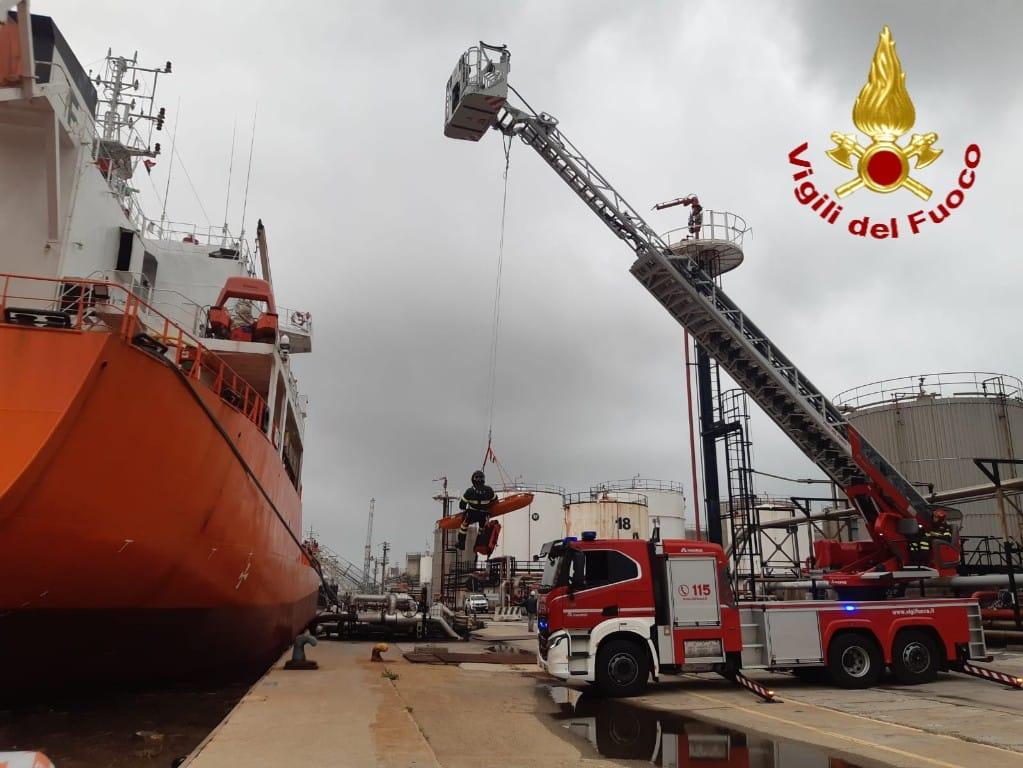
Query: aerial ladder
{"points": [[896, 514]]}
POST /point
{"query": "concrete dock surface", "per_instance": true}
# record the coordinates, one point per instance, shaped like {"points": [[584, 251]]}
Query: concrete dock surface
{"points": [[353, 712]]}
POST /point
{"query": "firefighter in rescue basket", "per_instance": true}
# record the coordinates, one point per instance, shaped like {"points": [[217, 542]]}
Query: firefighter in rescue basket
{"points": [[476, 503]]}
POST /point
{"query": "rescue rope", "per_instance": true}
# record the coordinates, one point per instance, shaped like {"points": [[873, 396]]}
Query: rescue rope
{"points": [[496, 317]]}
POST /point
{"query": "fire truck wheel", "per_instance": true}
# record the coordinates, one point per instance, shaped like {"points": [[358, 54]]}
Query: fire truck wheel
{"points": [[915, 657], [623, 668], [854, 661]]}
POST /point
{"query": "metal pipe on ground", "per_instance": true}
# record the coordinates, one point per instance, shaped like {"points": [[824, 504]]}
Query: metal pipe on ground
{"points": [[439, 622]]}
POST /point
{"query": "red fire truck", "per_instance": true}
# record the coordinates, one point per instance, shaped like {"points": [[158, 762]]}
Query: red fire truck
{"points": [[617, 612]]}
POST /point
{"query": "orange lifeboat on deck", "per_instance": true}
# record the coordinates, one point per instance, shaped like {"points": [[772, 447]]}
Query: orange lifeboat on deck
{"points": [[223, 326]]}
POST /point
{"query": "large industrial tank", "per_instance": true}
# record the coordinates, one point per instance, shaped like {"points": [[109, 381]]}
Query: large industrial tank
{"points": [[413, 563], [931, 427], [426, 569], [666, 502], [524, 531], [623, 515]]}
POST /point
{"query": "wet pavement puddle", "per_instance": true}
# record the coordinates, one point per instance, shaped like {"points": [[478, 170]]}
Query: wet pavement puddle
{"points": [[620, 731]]}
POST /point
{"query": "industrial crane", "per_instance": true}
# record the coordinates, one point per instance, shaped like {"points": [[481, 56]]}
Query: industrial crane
{"points": [[895, 512]]}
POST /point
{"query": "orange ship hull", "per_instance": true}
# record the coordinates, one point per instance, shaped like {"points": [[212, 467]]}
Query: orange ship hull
{"points": [[133, 546]]}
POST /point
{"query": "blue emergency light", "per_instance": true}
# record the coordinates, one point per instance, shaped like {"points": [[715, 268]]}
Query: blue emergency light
{"points": [[542, 624], [849, 608], [589, 535]]}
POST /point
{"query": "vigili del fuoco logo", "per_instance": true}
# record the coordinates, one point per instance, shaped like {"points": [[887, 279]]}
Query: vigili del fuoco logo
{"points": [[884, 164]]}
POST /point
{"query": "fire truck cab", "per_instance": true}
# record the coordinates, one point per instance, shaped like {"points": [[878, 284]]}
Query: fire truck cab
{"points": [[617, 612]]}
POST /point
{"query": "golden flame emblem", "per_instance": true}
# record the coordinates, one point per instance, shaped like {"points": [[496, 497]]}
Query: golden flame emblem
{"points": [[884, 112]]}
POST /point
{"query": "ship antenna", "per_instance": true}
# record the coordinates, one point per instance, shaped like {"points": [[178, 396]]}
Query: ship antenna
{"points": [[230, 173], [170, 168], [248, 172]]}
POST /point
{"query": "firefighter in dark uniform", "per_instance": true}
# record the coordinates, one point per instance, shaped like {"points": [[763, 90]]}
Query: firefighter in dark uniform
{"points": [[695, 217], [475, 503], [923, 544], [940, 530]]}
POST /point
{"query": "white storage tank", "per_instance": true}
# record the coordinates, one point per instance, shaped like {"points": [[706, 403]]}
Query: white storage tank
{"points": [[525, 530], [413, 563], [666, 502], [623, 515], [425, 569], [931, 427]]}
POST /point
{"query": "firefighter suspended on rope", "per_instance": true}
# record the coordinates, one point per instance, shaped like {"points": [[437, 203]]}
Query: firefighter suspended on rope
{"points": [[476, 503]]}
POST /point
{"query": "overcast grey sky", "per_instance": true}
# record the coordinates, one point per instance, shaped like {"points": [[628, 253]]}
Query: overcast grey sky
{"points": [[388, 232]]}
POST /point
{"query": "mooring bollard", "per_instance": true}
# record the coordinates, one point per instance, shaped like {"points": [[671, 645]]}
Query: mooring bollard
{"points": [[298, 659], [377, 650]]}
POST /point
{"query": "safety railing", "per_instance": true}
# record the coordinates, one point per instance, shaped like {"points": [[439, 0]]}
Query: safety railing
{"points": [[214, 236], [480, 70], [638, 484], [531, 488], [72, 304], [715, 225], [931, 385], [620, 497], [294, 321]]}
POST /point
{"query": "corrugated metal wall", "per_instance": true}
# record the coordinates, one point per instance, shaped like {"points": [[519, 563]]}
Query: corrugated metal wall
{"points": [[934, 439]]}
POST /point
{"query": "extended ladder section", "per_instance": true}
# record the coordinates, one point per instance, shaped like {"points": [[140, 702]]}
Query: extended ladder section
{"points": [[690, 295]]}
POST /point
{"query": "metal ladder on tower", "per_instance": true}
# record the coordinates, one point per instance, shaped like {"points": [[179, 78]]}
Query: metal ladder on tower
{"points": [[692, 297], [741, 513]]}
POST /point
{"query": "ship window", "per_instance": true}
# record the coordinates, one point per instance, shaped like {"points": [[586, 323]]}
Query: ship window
{"points": [[149, 267], [278, 410], [292, 453], [125, 245]]}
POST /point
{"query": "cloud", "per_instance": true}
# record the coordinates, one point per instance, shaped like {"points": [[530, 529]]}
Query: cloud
{"points": [[388, 232]]}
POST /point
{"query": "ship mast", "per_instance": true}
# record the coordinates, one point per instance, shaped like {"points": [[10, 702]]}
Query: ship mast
{"points": [[124, 107]]}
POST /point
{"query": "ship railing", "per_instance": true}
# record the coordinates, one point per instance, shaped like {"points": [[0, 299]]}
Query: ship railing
{"points": [[78, 305], [174, 304], [294, 321], [215, 236]]}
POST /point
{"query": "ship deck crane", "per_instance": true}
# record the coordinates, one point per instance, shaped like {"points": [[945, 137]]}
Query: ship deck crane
{"points": [[895, 512]]}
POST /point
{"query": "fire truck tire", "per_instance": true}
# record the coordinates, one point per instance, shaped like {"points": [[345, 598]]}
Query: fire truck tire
{"points": [[854, 660], [915, 657], [623, 668]]}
